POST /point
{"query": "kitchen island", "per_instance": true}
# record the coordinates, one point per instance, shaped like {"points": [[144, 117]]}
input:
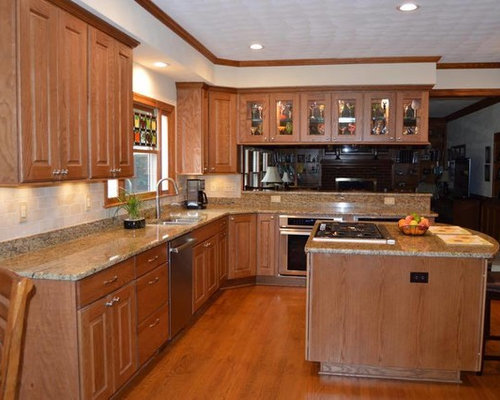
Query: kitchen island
{"points": [[412, 310]]}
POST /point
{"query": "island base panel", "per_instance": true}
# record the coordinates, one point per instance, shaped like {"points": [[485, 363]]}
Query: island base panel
{"points": [[368, 371]]}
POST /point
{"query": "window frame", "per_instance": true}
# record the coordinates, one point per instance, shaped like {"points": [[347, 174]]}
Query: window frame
{"points": [[149, 104]]}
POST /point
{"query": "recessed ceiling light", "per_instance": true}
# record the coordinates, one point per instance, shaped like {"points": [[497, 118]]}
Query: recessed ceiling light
{"points": [[160, 64], [256, 46], [407, 7]]}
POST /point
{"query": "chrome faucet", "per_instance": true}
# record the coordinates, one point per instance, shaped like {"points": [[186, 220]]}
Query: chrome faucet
{"points": [[176, 188]]}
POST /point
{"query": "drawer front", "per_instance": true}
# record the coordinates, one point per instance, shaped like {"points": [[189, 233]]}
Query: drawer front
{"points": [[150, 259], [152, 291], [153, 332], [104, 282], [207, 231]]}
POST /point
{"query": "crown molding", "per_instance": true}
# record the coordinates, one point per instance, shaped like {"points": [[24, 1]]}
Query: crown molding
{"points": [[490, 65], [170, 23]]}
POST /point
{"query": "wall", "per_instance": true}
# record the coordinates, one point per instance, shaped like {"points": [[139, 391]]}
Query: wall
{"points": [[64, 205], [476, 132]]}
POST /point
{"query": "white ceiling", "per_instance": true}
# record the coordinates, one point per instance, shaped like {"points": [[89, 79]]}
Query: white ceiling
{"points": [[457, 30]]}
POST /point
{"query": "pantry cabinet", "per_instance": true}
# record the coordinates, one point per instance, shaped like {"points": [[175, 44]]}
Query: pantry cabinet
{"points": [[45, 87]]}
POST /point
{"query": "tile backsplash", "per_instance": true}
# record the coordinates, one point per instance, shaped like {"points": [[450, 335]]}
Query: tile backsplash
{"points": [[49, 208]]}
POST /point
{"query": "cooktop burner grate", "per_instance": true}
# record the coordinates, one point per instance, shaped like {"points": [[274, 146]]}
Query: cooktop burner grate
{"points": [[362, 232]]}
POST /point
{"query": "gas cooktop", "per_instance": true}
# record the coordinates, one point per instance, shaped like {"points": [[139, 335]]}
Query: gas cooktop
{"points": [[356, 232]]}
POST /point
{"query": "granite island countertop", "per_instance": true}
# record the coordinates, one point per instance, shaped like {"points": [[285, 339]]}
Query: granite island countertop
{"points": [[76, 259], [428, 245]]}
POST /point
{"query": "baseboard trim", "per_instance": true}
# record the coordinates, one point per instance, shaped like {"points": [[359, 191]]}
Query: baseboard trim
{"points": [[368, 371]]}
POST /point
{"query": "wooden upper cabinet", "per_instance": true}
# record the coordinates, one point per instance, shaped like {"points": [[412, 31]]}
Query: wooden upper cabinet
{"points": [[315, 117], [347, 124], [123, 116], [192, 109], [379, 117], [412, 117], [38, 41], [222, 155], [284, 117], [253, 121], [110, 84], [73, 93], [206, 130], [48, 98]]}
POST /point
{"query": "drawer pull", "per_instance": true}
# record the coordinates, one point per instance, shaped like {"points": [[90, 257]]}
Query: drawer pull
{"points": [[112, 301], [155, 323], [153, 281], [110, 281], [153, 259]]}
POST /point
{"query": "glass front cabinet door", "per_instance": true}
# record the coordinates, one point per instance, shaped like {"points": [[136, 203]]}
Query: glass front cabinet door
{"points": [[254, 118], [412, 117], [284, 118], [315, 117], [379, 115], [347, 120]]}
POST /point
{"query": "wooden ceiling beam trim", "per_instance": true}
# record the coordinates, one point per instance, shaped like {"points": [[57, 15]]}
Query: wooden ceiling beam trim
{"points": [[464, 92], [489, 65], [166, 20], [473, 108]]}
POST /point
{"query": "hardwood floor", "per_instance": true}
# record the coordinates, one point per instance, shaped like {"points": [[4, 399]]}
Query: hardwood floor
{"points": [[250, 345]]}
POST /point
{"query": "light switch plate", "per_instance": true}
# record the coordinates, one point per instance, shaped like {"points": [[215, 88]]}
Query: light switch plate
{"points": [[275, 199], [23, 211], [389, 201]]}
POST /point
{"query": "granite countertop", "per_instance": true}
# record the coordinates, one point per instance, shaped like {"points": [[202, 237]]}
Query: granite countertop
{"points": [[428, 245], [76, 259]]}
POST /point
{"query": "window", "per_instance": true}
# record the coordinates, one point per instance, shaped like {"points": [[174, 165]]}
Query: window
{"points": [[153, 138]]}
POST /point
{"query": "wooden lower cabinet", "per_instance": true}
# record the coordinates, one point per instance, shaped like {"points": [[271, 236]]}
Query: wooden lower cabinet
{"points": [[152, 333], [108, 355], [242, 245], [267, 231], [205, 278], [365, 316], [222, 256]]}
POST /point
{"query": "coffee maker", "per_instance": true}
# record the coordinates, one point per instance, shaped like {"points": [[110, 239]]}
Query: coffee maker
{"points": [[196, 197]]}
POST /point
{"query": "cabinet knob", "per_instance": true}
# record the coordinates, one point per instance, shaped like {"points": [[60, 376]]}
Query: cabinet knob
{"points": [[64, 172], [265, 139], [398, 138], [205, 169], [232, 218], [272, 138], [56, 172], [110, 281], [272, 216], [112, 170], [153, 281], [212, 169], [114, 300], [157, 321]]}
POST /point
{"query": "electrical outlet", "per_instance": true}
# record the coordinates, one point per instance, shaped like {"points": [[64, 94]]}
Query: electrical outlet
{"points": [[23, 211], [275, 199], [389, 201], [419, 277]]}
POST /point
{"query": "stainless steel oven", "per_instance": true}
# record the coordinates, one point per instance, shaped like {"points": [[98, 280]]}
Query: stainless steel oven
{"points": [[294, 232]]}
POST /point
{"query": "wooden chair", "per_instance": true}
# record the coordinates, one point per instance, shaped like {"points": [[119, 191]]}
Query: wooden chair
{"points": [[14, 292], [492, 293]]}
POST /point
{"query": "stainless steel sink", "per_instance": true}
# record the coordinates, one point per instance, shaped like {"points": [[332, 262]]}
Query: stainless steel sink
{"points": [[178, 221], [182, 219]]}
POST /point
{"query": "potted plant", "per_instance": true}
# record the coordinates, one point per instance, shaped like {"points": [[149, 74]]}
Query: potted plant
{"points": [[132, 205]]}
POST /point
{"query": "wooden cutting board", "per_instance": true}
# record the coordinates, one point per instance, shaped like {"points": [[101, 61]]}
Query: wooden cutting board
{"points": [[448, 230], [465, 240]]}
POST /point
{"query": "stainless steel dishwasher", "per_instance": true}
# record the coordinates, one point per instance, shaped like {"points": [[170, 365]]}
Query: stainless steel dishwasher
{"points": [[181, 282]]}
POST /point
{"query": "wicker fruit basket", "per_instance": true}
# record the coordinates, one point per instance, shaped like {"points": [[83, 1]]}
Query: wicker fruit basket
{"points": [[413, 230]]}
